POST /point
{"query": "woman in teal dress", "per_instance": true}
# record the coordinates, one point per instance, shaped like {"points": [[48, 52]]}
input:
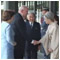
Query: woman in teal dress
{"points": [[7, 36]]}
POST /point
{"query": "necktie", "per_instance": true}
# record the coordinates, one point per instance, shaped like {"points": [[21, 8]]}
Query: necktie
{"points": [[31, 25]]}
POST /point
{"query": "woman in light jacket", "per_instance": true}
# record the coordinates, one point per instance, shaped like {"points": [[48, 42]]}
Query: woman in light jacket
{"points": [[51, 39], [7, 36]]}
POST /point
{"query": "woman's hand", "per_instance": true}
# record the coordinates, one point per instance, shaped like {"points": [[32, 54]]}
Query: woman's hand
{"points": [[50, 50], [35, 42]]}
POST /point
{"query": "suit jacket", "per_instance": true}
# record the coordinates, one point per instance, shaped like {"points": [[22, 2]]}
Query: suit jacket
{"points": [[32, 33], [19, 27], [44, 27]]}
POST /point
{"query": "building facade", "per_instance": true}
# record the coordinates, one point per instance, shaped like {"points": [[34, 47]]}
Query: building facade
{"points": [[34, 6]]}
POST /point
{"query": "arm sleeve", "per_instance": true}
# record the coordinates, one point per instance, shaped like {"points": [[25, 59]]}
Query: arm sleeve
{"points": [[10, 35], [45, 37], [45, 41], [55, 39]]}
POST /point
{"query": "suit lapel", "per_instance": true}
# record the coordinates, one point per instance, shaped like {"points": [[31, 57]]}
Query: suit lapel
{"points": [[28, 27]]}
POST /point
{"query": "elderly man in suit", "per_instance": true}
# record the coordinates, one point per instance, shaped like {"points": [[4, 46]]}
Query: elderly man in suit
{"points": [[33, 33], [19, 27]]}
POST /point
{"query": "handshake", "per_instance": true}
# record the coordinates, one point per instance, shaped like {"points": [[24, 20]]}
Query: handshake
{"points": [[35, 42]]}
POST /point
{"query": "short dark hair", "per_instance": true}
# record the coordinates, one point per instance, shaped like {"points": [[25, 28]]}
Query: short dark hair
{"points": [[45, 9], [7, 15]]}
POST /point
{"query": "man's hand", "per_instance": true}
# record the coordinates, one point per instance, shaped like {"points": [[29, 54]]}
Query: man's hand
{"points": [[14, 44]]}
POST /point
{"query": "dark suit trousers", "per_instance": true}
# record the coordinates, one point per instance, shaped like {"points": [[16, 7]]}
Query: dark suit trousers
{"points": [[31, 52]]}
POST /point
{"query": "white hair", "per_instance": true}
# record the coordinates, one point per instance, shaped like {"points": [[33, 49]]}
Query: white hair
{"points": [[22, 7]]}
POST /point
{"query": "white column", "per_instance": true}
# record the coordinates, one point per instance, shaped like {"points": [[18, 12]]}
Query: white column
{"points": [[13, 5]]}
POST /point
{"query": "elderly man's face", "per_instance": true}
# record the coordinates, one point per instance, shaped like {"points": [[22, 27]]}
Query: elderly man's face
{"points": [[25, 12], [31, 17], [43, 12]]}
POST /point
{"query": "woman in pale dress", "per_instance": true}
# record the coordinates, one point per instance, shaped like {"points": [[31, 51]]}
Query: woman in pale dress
{"points": [[7, 36], [51, 39]]}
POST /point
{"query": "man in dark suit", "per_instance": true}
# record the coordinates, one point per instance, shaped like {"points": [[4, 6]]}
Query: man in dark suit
{"points": [[19, 27], [33, 33], [44, 26]]}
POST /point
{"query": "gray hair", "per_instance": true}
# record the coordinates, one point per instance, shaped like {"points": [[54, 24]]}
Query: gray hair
{"points": [[23, 7], [32, 14], [50, 15]]}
